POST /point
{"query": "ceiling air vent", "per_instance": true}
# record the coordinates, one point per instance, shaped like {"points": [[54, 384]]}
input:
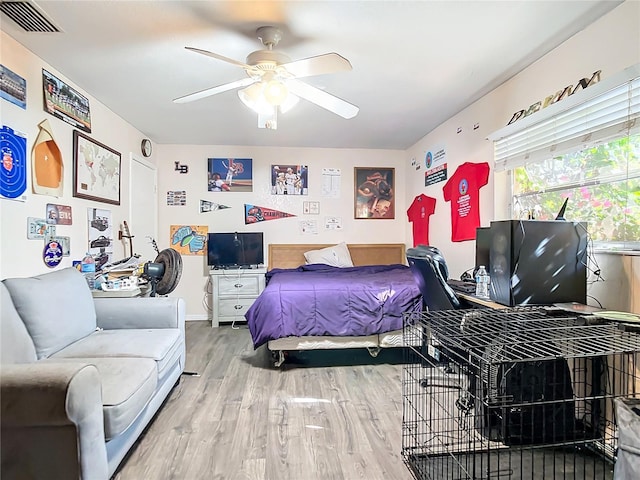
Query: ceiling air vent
{"points": [[27, 16]]}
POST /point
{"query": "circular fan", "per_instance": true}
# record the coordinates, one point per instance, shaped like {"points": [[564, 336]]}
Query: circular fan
{"points": [[273, 84], [164, 272]]}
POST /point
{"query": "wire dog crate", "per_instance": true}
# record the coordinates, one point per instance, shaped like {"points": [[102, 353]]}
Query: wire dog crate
{"points": [[521, 393]]}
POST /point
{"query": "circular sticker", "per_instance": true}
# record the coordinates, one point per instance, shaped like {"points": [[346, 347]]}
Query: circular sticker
{"points": [[428, 160], [52, 254]]}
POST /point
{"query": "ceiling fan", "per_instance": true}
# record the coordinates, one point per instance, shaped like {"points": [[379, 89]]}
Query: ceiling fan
{"points": [[273, 83]]}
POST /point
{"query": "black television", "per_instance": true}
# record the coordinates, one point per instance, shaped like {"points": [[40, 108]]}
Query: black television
{"points": [[483, 247], [235, 249]]}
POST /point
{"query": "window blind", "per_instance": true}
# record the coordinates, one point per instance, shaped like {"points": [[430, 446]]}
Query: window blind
{"points": [[609, 109]]}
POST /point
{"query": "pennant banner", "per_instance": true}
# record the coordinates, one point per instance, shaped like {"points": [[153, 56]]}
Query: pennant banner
{"points": [[254, 213], [207, 206]]}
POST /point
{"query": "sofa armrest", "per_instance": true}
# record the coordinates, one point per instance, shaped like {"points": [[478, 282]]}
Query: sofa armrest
{"points": [[52, 421], [140, 312]]}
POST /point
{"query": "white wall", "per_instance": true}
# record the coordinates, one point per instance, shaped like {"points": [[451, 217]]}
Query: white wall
{"points": [[595, 48], [22, 257], [193, 285]]}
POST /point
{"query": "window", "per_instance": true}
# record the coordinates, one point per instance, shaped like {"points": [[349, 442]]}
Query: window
{"points": [[601, 183], [585, 151]]}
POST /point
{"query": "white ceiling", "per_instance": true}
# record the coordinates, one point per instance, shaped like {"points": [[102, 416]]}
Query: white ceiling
{"points": [[415, 63]]}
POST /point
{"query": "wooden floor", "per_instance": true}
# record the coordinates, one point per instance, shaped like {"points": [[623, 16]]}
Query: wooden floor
{"points": [[322, 415]]}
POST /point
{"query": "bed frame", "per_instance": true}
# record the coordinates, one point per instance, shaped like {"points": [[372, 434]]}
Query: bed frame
{"points": [[292, 255]]}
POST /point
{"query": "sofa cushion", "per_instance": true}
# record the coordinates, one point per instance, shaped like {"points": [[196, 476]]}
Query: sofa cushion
{"points": [[159, 344], [56, 307], [127, 386], [16, 345]]}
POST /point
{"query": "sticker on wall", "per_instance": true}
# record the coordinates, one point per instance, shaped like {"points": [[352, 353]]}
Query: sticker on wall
{"points": [[181, 168], [37, 228], [254, 214], [13, 88], [230, 174], [47, 170], [65, 103], [207, 206], [309, 227], [333, 223], [13, 170], [289, 179], [52, 254], [331, 182], [436, 163], [189, 239], [176, 198], [311, 208], [65, 244], [59, 214]]}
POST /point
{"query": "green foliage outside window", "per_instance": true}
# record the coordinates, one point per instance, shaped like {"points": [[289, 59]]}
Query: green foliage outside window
{"points": [[602, 184]]}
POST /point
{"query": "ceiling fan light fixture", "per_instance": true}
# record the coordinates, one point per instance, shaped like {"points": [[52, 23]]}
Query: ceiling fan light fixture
{"points": [[275, 92], [253, 97]]}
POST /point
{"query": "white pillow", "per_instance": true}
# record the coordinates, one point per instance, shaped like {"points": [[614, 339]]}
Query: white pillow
{"points": [[336, 256]]}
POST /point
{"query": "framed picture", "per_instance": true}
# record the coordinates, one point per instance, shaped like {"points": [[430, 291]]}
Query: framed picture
{"points": [[374, 193], [65, 103], [96, 170]]}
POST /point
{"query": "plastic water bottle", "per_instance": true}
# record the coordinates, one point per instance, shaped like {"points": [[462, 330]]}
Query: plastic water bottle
{"points": [[482, 282], [88, 269]]}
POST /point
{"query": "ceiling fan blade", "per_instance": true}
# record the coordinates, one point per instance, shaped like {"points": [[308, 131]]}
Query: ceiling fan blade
{"points": [[322, 99], [327, 63], [219, 57], [214, 90]]}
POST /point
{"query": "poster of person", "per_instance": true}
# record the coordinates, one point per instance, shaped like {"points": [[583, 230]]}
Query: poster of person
{"points": [[374, 193], [65, 103], [289, 179], [230, 175]]}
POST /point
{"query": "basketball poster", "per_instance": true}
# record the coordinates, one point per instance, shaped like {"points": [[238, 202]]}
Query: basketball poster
{"points": [[13, 171]]}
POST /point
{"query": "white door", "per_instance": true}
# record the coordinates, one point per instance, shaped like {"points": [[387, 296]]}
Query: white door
{"points": [[143, 210]]}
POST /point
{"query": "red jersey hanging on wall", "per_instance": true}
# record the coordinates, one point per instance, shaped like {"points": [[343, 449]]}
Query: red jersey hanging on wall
{"points": [[419, 212], [463, 191]]}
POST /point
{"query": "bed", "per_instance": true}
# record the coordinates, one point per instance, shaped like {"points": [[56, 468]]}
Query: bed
{"points": [[302, 308]]}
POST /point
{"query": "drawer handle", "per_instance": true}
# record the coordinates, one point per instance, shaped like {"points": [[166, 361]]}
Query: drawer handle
{"points": [[238, 285], [237, 307]]}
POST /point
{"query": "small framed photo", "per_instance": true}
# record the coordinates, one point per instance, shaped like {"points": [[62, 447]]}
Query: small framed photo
{"points": [[96, 170], [374, 193]]}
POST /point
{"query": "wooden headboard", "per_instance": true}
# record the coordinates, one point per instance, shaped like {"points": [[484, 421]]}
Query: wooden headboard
{"points": [[285, 255]]}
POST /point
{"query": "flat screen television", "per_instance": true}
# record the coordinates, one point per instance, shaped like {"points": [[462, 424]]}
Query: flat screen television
{"points": [[235, 249], [483, 247]]}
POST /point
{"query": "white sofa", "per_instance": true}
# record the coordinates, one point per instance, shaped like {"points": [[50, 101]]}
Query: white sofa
{"points": [[80, 377]]}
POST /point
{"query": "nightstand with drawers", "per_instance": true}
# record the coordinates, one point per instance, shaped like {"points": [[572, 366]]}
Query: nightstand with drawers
{"points": [[233, 292]]}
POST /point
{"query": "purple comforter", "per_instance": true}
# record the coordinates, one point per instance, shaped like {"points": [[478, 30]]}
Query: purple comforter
{"points": [[323, 300]]}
